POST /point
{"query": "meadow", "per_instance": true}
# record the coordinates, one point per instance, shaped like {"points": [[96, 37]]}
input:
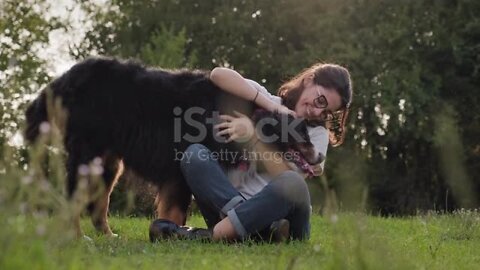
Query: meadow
{"points": [[344, 241], [36, 232]]}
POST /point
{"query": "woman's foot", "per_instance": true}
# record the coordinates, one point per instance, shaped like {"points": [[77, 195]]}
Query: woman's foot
{"points": [[279, 231], [162, 229]]}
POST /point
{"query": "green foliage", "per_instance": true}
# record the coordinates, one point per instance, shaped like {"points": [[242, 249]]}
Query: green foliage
{"points": [[166, 49], [33, 203], [408, 59], [404, 75], [163, 45], [23, 32]]}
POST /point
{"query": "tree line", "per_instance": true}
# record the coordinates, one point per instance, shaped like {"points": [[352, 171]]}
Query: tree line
{"points": [[413, 133]]}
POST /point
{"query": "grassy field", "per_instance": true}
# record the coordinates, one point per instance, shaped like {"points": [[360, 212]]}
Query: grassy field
{"points": [[347, 241], [35, 234]]}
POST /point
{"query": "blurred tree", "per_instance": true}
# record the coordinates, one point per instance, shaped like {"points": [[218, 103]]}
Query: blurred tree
{"points": [[407, 58], [224, 33], [167, 49], [163, 45], [24, 30]]}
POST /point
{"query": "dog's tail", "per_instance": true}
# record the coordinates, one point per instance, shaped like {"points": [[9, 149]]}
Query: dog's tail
{"points": [[36, 114]]}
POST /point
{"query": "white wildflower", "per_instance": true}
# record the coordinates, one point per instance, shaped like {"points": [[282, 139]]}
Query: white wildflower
{"points": [[44, 127]]}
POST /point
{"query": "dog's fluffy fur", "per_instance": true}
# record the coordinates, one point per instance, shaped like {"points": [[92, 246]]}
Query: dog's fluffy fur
{"points": [[124, 113]]}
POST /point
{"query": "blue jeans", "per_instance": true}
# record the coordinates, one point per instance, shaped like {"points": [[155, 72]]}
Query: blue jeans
{"points": [[286, 196]]}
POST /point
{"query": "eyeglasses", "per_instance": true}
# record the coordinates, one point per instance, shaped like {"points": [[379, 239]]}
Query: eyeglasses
{"points": [[322, 103], [327, 115]]}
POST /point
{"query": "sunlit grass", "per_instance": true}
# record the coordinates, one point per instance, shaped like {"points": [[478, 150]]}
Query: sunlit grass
{"points": [[353, 241]]}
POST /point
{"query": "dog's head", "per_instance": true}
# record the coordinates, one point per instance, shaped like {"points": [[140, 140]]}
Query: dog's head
{"points": [[286, 132]]}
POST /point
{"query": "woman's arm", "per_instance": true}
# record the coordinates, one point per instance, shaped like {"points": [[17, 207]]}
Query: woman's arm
{"points": [[231, 81]]}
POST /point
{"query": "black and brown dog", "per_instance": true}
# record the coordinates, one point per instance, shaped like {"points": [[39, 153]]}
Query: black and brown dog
{"points": [[123, 114]]}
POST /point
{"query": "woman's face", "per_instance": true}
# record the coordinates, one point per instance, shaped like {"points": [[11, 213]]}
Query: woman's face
{"points": [[310, 109]]}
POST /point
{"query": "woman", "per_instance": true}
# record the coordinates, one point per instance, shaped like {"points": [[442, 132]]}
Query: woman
{"points": [[238, 204]]}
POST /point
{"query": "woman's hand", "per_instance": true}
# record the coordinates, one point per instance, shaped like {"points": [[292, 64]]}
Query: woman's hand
{"points": [[239, 128], [279, 108]]}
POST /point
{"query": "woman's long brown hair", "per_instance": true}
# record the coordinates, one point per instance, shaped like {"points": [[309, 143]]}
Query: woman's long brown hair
{"points": [[330, 76]]}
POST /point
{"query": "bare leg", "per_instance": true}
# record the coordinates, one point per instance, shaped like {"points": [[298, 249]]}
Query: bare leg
{"points": [[224, 230]]}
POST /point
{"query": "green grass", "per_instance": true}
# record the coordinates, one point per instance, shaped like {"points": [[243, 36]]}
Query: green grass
{"points": [[353, 241], [35, 234]]}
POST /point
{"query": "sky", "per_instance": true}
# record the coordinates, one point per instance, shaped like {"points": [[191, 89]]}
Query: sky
{"points": [[56, 54]]}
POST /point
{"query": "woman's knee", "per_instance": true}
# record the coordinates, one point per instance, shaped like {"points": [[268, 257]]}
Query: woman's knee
{"points": [[194, 155], [292, 187]]}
